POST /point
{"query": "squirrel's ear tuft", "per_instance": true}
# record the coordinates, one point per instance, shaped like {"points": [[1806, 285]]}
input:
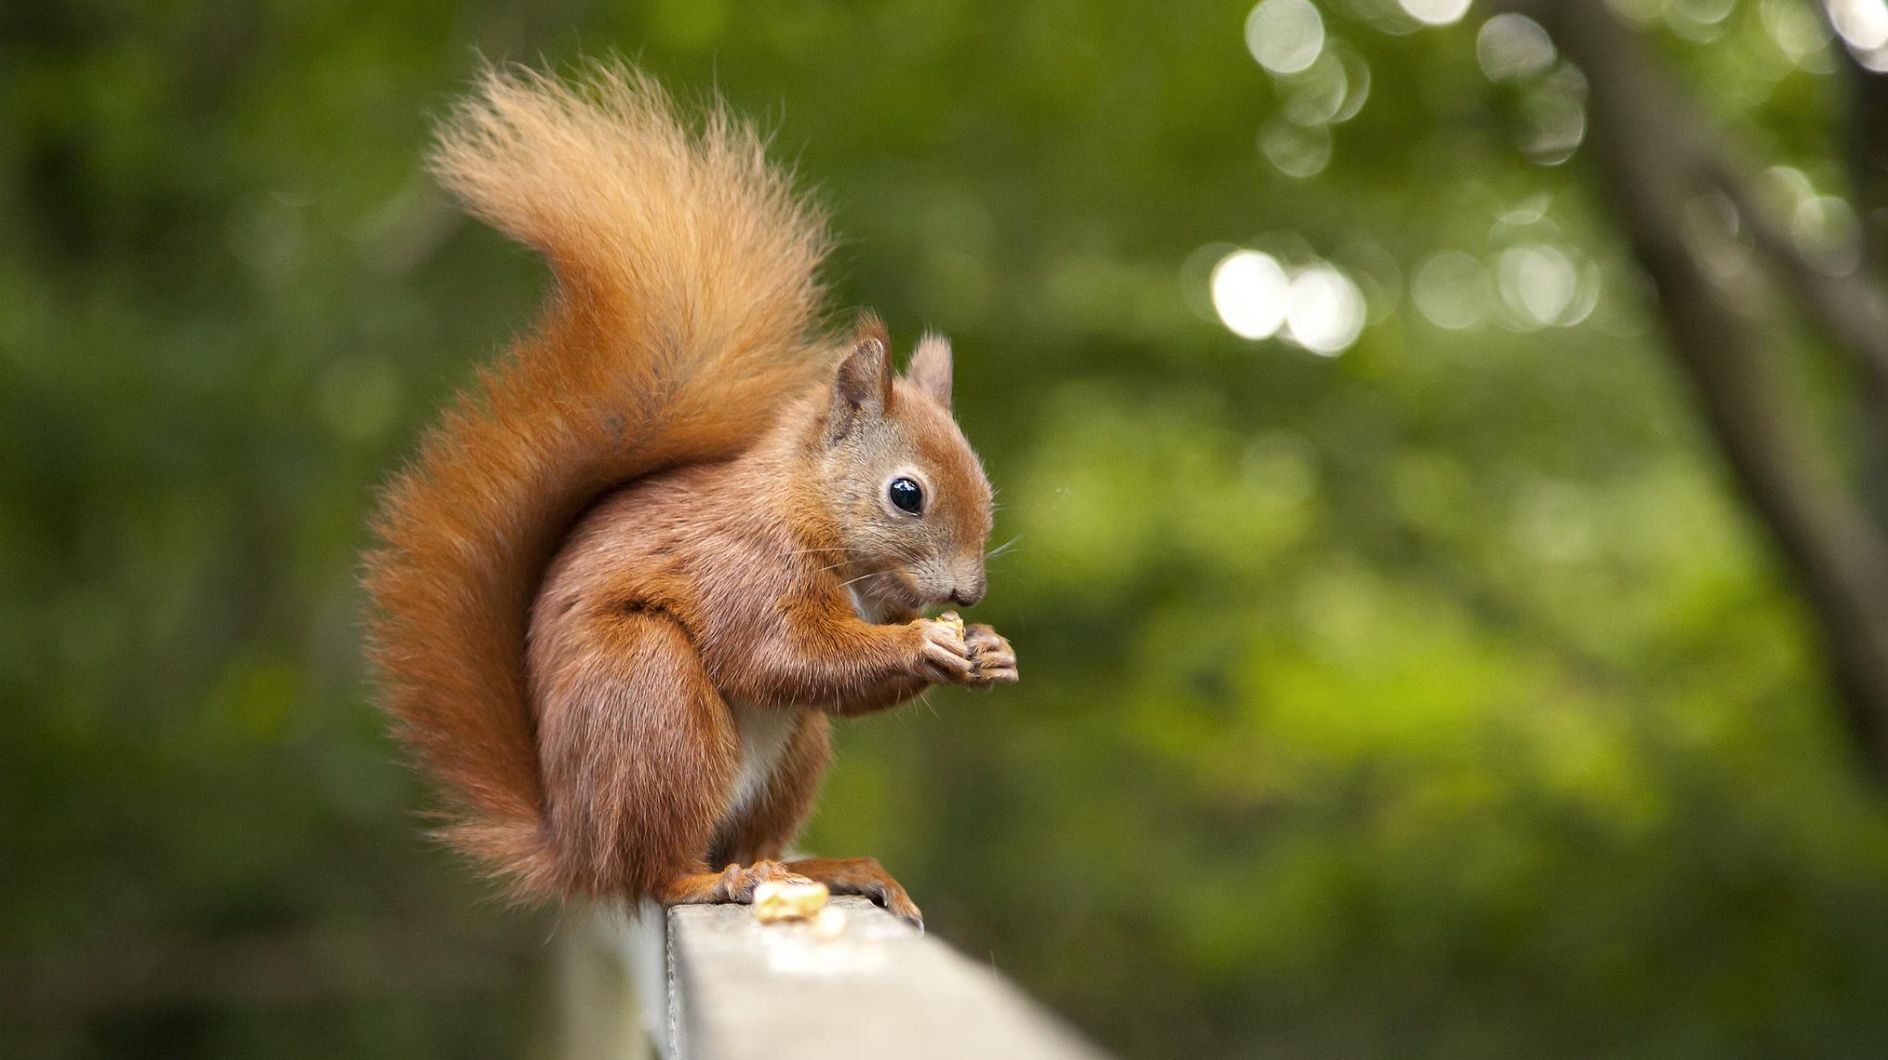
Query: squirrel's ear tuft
{"points": [[863, 386], [930, 368]]}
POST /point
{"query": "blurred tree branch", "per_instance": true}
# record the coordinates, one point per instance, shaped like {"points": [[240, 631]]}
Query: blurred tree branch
{"points": [[1867, 146], [1656, 158], [1848, 309], [1868, 189]]}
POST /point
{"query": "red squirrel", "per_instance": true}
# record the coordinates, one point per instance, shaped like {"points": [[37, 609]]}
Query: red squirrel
{"points": [[632, 574]]}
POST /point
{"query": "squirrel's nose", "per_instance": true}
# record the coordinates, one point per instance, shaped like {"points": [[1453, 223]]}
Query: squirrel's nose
{"points": [[968, 593]]}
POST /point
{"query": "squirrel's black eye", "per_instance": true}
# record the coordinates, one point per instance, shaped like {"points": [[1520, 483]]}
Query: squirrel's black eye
{"points": [[906, 495]]}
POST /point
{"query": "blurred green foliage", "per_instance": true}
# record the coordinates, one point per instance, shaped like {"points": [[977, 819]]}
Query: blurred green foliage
{"points": [[1431, 699]]}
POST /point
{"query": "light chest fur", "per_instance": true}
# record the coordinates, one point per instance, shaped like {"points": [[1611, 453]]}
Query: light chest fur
{"points": [[762, 735], [761, 738]]}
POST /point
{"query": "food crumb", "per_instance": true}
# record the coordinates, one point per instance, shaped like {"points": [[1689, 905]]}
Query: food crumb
{"points": [[776, 901], [830, 923]]}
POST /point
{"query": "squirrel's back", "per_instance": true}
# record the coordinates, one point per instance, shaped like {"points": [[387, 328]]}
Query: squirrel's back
{"points": [[684, 317]]}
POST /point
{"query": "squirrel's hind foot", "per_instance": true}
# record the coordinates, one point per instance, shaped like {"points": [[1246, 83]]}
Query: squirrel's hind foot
{"points": [[734, 884], [863, 876]]}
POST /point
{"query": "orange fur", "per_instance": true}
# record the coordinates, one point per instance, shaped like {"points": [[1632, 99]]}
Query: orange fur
{"points": [[593, 741]]}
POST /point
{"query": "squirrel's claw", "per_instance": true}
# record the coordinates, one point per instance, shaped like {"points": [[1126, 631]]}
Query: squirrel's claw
{"points": [[904, 909], [892, 898]]}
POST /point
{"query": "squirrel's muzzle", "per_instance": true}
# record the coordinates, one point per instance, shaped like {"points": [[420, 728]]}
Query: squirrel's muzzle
{"points": [[968, 590]]}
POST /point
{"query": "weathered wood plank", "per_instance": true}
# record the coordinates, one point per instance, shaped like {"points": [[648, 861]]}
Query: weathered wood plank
{"points": [[734, 988]]}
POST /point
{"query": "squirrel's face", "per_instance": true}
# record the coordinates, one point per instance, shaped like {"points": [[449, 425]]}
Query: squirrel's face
{"points": [[908, 495]]}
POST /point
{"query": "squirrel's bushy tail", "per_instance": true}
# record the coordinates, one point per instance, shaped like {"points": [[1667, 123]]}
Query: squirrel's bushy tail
{"points": [[683, 319]]}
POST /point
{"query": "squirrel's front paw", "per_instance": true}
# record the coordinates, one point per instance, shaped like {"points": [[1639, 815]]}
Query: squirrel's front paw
{"points": [[991, 657], [943, 656]]}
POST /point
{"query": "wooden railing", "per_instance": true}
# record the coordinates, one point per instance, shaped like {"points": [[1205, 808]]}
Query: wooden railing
{"points": [[712, 983]]}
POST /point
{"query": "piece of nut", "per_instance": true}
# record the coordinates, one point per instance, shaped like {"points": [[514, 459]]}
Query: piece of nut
{"points": [[775, 901], [953, 620], [830, 923]]}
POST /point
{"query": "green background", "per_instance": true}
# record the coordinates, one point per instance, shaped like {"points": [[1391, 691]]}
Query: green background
{"points": [[1437, 698]]}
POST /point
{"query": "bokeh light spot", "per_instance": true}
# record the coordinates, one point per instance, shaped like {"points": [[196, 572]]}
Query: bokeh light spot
{"points": [[1829, 233], [1538, 282], [1298, 151], [1357, 76], [1555, 111], [1315, 96], [1325, 312], [1450, 289], [1511, 47], [1862, 23], [1435, 12], [1285, 36], [1798, 33], [1250, 294]]}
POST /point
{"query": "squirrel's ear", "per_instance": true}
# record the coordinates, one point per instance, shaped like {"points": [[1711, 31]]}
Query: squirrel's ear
{"points": [[930, 368], [864, 384]]}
